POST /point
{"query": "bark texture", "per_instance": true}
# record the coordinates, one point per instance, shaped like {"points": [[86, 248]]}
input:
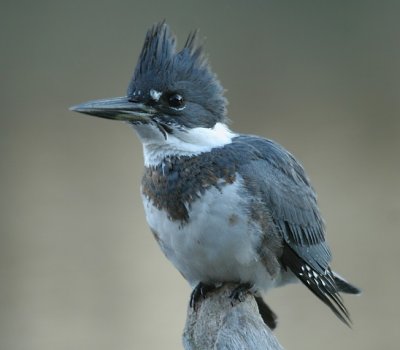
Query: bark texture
{"points": [[217, 325]]}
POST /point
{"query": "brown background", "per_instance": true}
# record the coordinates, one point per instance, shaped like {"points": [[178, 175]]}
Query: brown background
{"points": [[79, 268]]}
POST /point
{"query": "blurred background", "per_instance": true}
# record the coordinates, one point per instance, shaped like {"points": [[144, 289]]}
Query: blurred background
{"points": [[79, 268]]}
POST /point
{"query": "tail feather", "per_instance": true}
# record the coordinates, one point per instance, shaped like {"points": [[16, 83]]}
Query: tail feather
{"points": [[326, 286], [344, 286], [268, 316]]}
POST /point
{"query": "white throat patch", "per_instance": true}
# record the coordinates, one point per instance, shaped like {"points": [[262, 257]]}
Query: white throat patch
{"points": [[181, 143]]}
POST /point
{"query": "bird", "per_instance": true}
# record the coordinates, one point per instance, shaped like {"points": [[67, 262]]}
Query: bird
{"points": [[224, 207]]}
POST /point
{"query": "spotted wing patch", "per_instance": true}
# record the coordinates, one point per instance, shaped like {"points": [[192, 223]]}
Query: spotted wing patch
{"points": [[322, 285]]}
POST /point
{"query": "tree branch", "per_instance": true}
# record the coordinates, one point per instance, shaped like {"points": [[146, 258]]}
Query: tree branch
{"points": [[217, 325]]}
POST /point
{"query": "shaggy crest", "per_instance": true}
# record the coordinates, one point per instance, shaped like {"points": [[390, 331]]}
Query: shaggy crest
{"points": [[161, 67]]}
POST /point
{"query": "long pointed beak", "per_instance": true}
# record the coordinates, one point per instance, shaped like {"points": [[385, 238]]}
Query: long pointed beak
{"points": [[119, 108]]}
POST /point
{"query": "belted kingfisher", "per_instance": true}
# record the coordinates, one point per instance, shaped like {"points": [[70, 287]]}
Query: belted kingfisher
{"points": [[224, 207]]}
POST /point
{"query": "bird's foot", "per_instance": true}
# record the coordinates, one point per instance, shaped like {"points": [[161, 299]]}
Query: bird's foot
{"points": [[199, 292], [238, 295]]}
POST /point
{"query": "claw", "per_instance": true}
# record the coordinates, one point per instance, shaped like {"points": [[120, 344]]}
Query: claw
{"points": [[198, 293], [239, 293]]}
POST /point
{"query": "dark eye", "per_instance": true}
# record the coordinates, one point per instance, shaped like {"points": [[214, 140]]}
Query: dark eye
{"points": [[176, 101]]}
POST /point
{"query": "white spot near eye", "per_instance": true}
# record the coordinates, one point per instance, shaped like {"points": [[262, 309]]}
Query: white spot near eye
{"points": [[155, 95]]}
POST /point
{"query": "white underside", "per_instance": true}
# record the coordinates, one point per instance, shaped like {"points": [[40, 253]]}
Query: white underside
{"points": [[219, 242], [186, 142]]}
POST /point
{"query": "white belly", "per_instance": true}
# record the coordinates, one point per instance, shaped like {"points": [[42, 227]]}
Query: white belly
{"points": [[217, 244]]}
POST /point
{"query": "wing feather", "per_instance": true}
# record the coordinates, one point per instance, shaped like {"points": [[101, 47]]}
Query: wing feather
{"points": [[275, 176]]}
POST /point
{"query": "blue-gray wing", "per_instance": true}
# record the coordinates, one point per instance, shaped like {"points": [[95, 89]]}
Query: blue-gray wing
{"points": [[278, 181], [272, 174]]}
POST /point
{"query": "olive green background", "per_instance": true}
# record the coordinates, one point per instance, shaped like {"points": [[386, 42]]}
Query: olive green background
{"points": [[79, 268]]}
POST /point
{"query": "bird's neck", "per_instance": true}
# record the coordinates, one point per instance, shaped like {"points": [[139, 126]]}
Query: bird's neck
{"points": [[189, 142]]}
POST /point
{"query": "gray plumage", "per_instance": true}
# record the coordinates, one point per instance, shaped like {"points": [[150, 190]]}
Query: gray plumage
{"points": [[224, 207], [187, 71]]}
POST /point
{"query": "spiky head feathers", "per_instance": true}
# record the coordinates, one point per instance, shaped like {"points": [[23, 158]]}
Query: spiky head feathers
{"points": [[164, 70]]}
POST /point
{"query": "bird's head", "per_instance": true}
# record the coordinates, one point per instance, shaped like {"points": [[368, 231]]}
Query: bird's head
{"points": [[173, 100]]}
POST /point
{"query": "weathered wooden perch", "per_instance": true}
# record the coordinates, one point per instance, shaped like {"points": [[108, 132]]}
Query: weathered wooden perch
{"points": [[217, 325]]}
